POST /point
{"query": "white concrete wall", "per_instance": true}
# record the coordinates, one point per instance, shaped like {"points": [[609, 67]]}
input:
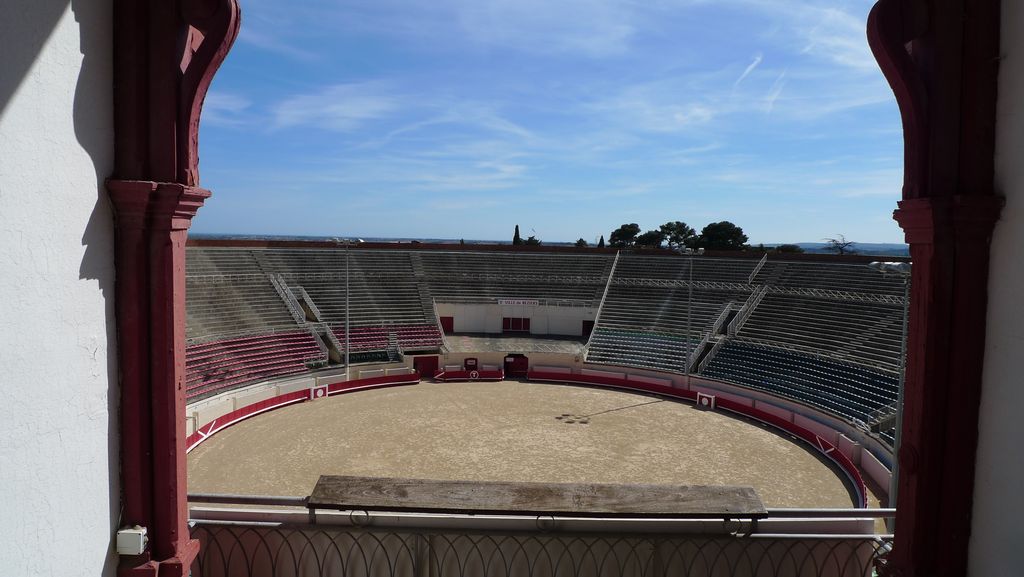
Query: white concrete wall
{"points": [[58, 414], [997, 532], [544, 320]]}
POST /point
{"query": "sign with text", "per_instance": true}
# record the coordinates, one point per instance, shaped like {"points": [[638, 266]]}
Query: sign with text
{"points": [[519, 302]]}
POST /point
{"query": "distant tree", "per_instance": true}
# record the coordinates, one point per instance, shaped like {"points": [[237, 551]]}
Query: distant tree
{"points": [[581, 243], [840, 245], [600, 243], [624, 236], [516, 239], [532, 241], [651, 239], [760, 247], [722, 236], [789, 248], [462, 241], [678, 234]]}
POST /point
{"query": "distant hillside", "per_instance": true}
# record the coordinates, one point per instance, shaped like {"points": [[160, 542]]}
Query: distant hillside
{"points": [[865, 248], [868, 248]]}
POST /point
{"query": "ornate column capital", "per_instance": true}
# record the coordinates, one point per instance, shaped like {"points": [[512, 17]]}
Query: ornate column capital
{"points": [[155, 205], [955, 218]]}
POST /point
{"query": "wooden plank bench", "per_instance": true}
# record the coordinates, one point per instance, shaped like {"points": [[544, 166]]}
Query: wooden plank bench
{"points": [[542, 499]]}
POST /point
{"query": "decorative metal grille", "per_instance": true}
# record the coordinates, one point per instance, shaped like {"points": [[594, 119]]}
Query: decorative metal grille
{"points": [[271, 550]]}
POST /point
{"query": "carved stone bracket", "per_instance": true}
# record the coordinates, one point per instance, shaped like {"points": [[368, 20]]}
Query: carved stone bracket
{"points": [[159, 205], [892, 25], [943, 219], [212, 28]]}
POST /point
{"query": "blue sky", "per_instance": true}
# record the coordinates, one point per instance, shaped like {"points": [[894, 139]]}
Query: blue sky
{"points": [[462, 118]]}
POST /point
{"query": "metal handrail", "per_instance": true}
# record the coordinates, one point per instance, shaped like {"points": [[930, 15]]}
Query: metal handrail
{"points": [[757, 268], [294, 542], [600, 306]]}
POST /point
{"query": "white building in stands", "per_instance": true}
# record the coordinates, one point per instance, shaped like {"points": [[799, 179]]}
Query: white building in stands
{"points": [[69, 449]]}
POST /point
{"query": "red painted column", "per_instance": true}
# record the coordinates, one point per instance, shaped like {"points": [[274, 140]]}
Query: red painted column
{"points": [[166, 53], [949, 243], [152, 225], [941, 60]]}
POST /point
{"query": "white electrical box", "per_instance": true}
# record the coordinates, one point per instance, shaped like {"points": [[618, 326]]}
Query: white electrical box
{"points": [[131, 541]]}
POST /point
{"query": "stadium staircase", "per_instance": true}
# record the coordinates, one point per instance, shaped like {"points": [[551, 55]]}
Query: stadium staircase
{"points": [[426, 298], [394, 351], [288, 298], [600, 306], [306, 302]]}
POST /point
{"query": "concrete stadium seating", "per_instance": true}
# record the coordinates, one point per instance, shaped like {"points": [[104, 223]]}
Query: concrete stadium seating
{"points": [[841, 388], [219, 365], [825, 334], [492, 275]]}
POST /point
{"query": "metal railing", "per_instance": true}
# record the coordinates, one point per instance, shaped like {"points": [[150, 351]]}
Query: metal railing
{"points": [[600, 306], [838, 295], [673, 283], [288, 298], [716, 328], [489, 300], [748, 309], [296, 543], [757, 268], [710, 356], [440, 329], [300, 293], [695, 353]]}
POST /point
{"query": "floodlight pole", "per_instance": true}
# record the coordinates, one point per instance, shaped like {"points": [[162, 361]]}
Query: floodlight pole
{"points": [[894, 483], [689, 308], [348, 377], [903, 271], [339, 242]]}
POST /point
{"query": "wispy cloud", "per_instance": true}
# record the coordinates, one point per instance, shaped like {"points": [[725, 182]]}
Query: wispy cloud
{"points": [[224, 109], [654, 107], [758, 58], [587, 27], [341, 107], [276, 42], [591, 109], [824, 29], [774, 92]]}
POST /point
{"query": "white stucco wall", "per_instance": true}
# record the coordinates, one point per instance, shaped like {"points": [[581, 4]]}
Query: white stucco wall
{"points": [[544, 319], [58, 406], [997, 532]]}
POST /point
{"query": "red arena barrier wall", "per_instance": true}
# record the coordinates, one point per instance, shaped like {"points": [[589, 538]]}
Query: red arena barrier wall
{"points": [[453, 376], [238, 415], [821, 445]]}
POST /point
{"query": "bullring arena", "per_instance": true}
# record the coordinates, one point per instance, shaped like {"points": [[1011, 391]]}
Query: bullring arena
{"points": [[801, 356], [511, 431], [347, 397]]}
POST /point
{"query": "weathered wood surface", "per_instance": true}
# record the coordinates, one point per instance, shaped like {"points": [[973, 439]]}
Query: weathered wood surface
{"points": [[556, 499]]}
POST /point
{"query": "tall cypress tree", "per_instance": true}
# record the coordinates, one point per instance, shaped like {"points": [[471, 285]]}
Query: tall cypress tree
{"points": [[600, 243], [516, 239]]}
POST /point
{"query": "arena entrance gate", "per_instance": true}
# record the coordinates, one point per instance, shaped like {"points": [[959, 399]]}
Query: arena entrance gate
{"points": [[516, 365], [425, 366], [447, 324]]}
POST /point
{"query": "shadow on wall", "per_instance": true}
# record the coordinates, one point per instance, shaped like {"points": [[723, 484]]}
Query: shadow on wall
{"points": [[93, 117], [25, 26]]}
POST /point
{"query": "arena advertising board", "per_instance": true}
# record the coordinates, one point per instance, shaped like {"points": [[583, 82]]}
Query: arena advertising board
{"points": [[519, 302]]}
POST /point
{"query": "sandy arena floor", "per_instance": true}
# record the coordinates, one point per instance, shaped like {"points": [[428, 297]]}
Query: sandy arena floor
{"points": [[509, 431]]}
